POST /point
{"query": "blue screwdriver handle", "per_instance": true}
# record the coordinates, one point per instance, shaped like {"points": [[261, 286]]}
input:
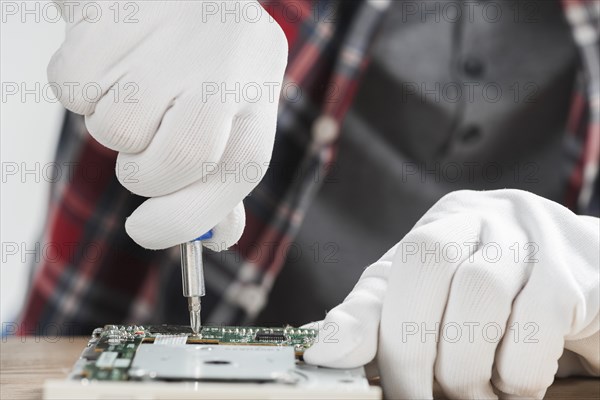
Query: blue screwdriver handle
{"points": [[207, 235]]}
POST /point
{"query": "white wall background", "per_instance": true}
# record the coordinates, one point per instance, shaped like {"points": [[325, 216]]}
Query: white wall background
{"points": [[28, 131]]}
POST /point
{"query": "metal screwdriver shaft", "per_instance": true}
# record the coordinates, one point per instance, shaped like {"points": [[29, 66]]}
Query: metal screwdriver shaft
{"points": [[192, 278]]}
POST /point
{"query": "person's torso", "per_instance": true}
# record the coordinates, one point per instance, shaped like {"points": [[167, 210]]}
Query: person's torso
{"points": [[478, 101]]}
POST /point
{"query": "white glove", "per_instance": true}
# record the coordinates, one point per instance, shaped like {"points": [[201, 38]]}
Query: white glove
{"points": [[477, 265], [188, 96]]}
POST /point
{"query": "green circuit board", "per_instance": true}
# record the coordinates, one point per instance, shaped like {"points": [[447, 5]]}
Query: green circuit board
{"points": [[111, 350]]}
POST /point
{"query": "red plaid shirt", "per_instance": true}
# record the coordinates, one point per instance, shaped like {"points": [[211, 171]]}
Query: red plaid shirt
{"points": [[106, 277]]}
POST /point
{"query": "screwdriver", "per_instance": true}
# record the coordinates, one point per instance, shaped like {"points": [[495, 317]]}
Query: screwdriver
{"points": [[192, 278]]}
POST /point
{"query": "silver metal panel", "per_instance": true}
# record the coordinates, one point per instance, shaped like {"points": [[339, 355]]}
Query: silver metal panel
{"points": [[314, 377], [214, 362]]}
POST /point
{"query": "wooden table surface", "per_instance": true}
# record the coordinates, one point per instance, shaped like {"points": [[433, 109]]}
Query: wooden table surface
{"points": [[27, 362]]}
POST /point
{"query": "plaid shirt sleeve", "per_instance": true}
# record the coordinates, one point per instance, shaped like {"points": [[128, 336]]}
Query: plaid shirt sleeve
{"points": [[584, 121], [108, 278]]}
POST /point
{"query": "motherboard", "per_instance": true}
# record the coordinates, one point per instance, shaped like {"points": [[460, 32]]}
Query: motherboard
{"points": [[172, 362], [111, 350]]}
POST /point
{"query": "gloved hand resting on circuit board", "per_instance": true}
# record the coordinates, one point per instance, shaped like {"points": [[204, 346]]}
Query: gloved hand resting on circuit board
{"points": [[484, 295], [187, 93]]}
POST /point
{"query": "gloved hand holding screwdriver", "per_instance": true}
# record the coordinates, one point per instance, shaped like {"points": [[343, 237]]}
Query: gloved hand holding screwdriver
{"points": [[174, 131], [176, 138]]}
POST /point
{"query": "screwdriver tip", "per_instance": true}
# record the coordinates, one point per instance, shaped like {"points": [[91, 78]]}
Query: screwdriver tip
{"points": [[194, 307]]}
